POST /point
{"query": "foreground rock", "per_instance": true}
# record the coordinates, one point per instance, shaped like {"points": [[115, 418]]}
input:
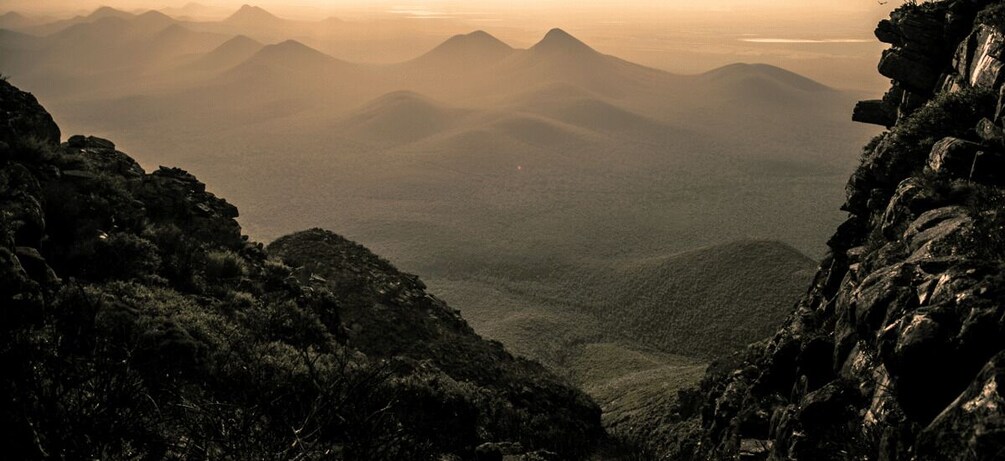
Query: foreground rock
{"points": [[896, 351]]}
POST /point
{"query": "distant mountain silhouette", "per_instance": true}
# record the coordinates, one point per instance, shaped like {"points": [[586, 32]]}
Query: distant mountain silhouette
{"points": [[152, 20], [733, 73], [262, 25], [14, 20], [285, 71], [560, 57], [229, 54], [192, 10], [11, 40], [559, 43], [253, 16], [100, 13], [468, 50], [114, 42], [292, 55], [176, 40], [573, 105], [401, 116], [109, 12]]}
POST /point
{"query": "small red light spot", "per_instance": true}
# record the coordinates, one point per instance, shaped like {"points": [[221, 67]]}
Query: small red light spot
{"points": [[519, 167]]}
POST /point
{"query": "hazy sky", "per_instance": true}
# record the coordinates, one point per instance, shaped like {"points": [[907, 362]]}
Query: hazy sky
{"points": [[806, 6]]}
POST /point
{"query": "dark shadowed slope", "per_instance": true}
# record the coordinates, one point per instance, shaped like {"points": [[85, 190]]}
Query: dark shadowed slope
{"points": [[173, 324]]}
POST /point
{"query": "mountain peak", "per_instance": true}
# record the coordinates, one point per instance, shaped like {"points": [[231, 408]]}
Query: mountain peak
{"points": [[107, 11], [474, 47], [558, 40], [559, 34], [240, 40], [155, 18], [251, 13], [293, 46], [477, 40], [292, 53]]}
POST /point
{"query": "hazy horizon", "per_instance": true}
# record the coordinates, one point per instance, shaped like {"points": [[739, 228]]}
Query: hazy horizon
{"points": [[830, 42]]}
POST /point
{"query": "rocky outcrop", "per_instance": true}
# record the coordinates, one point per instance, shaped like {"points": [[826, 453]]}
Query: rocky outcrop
{"points": [[23, 118], [896, 350], [923, 59]]}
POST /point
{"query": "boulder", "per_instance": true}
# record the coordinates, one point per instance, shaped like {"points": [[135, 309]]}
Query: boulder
{"points": [[911, 198], [937, 228], [884, 295], [886, 32], [990, 133], [984, 69], [923, 29], [953, 157], [820, 407], [911, 69], [849, 234], [89, 142], [875, 112], [755, 449]]}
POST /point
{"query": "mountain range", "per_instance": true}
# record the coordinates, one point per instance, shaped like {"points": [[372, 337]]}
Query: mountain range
{"points": [[534, 188]]}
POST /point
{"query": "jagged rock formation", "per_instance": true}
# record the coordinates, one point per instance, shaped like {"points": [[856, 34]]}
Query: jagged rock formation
{"points": [[137, 322], [896, 352]]}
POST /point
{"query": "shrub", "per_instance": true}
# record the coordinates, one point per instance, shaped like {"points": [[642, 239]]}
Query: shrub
{"points": [[224, 265], [122, 256], [949, 114]]}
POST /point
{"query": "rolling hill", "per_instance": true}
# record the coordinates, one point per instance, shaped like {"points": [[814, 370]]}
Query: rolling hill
{"points": [[707, 302]]}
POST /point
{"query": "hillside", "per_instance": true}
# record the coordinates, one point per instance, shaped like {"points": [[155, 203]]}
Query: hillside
{"points": [[707, 302], [897, 349], [140, 322]]}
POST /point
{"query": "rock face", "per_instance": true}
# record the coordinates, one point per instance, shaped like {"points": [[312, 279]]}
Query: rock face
{"points": [[896, 352], [138, 322]]}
